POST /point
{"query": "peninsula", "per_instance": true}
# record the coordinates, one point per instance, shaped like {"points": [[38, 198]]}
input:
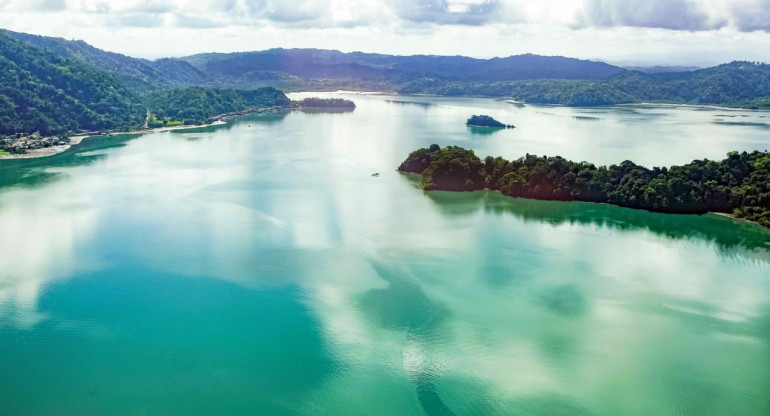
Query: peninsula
{"points": [[738, 185]]}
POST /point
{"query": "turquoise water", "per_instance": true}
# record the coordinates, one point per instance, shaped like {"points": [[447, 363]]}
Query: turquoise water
{"points": [[258, 268]]}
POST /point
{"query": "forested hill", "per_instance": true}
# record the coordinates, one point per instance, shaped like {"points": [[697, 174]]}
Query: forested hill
{"points": [[529, 78], [283, 64], [196, 105], [133, 72], [53, 86], [57, 93], [41, 91], [738, 84]]}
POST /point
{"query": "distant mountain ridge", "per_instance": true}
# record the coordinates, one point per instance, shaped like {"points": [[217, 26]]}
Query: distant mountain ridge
{"points": [[281, 64], [530, 78], [657, 69], [292, 68], [53, 85], [317, 63]]}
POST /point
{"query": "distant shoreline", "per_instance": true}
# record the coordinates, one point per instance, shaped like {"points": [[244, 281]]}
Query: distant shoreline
{"points": [[219, 119], [512, 100]]}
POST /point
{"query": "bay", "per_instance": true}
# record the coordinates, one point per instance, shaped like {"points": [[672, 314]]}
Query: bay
{"points": [[259, 268]]}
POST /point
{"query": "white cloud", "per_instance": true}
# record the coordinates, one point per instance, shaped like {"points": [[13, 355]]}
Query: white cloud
{"points": [[605, 29], [687, 15], [195, 21], [289, 11], [35, 5], [751, 15], [457, 12], [54, 5], [662, 14], [155, 6], [140, 20]]}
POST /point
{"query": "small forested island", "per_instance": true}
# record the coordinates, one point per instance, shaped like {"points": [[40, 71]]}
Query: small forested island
{"points": [[486, 121], [738, 185], [314, 102]]}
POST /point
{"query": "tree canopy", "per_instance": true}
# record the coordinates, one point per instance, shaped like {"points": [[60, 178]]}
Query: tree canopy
{"points": [[59, 88], [43, 92], [315, 102], [486, 121], [739, 184], [196, 105]]}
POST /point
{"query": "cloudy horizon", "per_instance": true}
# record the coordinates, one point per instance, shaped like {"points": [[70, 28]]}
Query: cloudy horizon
{"points": [[626, 32]]}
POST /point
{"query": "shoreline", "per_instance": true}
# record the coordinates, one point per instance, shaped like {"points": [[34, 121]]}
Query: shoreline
{"points": [[723, 215], [77, 139], [734, 218], [220, 119], [512, 100]]}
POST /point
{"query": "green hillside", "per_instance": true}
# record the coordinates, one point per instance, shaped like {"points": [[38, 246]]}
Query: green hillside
{"points": [[135, 73], [43, 92], [195, 105], [69, 87]]}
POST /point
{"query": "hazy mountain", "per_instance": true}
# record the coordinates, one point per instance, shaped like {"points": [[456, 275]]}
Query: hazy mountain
{"points": [[54, 85], [743, 84], [324, 64], [657, 69]]}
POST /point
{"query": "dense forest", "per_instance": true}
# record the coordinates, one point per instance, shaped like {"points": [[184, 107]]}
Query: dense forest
{"points": [[49, 93], [140, 74], [44, 92], [737, 84], [196, 105], [314, 102], [739, 184]]}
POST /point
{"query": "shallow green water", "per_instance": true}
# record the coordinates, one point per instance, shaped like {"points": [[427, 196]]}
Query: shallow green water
{"points": [[258, 269]]}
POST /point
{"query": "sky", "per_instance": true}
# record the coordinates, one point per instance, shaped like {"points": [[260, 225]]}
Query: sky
{"points": [[628, 32]]}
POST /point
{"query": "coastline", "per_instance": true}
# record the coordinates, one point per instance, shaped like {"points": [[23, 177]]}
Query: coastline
{"points": [[512, 100], [734, 218], [77, 139], [220, 119], [723, 215]]}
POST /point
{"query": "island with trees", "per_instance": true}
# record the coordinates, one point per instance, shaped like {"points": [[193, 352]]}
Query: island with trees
{"points": [[329, 103], [487, 121], [738, 185]]}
